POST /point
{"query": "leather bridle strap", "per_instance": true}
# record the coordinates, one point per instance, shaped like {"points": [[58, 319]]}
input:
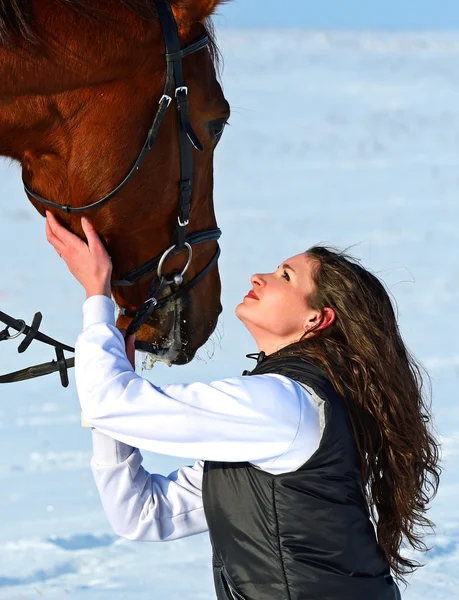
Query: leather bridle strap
{"points": [[164, 104], [187, 137], [147, 346], [195, 238], [152, 303], [61, 364]]}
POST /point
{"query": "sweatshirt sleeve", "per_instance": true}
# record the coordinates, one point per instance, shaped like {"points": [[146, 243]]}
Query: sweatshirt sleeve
{"points": [[253, 419], [141, 506]]}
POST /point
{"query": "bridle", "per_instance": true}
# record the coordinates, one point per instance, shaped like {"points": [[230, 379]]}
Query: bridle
{"points": [[187, 140], [174, 90]]}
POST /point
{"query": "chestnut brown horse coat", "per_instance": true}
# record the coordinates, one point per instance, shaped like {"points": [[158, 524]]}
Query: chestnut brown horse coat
{"points": [[80, 82]]}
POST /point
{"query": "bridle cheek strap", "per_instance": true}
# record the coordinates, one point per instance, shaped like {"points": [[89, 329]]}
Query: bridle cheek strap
{"points": [[187, 141]]}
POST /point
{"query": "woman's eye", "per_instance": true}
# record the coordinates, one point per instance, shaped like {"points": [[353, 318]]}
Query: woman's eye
{"points": [[216, 129], [286, 275]]}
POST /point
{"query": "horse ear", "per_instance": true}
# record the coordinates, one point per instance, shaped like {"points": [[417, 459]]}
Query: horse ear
{"points": [[194, 11]]}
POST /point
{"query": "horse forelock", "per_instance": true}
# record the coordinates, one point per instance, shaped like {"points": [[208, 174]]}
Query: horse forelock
{"points": [[18, 23]]}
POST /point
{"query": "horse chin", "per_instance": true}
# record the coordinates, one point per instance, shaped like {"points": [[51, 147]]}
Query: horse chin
{"points": [[170, 356], [163, 337]]}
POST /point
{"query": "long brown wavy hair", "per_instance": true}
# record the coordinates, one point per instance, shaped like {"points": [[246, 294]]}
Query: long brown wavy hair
{"points": [[365, 358]]}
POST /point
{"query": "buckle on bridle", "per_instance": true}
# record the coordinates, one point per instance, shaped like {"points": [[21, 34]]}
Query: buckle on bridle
{"points": [[167, 98], [149, 301], [182, 88]]}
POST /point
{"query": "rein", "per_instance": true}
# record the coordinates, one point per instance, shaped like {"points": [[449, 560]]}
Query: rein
{"points": [[174, 90], [31, 333]]}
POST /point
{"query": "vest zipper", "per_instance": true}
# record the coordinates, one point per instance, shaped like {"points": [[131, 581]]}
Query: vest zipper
{"points": [[234, 595]]}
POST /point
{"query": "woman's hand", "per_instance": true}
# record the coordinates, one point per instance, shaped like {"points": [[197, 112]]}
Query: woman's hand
{"points": [[88, 262]]}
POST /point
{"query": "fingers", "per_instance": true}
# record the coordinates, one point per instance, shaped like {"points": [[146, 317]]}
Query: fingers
{"points": [[89, 262], [94, 241], [65, 236], [53, 239], [55, 226], [88, 229], [59, 234]]}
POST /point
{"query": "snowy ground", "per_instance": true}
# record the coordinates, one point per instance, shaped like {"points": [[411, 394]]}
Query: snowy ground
{"points": [[352, 139]]}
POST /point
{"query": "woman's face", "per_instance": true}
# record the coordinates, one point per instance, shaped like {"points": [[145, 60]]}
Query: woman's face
{"points": [[275, 310]]}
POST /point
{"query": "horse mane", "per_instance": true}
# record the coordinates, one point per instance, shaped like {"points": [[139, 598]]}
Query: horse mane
{"points": [[17, 20]]}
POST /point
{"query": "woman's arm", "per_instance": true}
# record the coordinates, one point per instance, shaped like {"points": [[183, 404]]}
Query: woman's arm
{"points": [[251, 419], [141, 506]]}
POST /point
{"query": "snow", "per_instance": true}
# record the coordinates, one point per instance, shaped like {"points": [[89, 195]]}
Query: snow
{"points": [[345, 138]]}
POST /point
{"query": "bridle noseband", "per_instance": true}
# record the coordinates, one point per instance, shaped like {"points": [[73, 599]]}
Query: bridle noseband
{"points": [[187, 140], [174, 90]]}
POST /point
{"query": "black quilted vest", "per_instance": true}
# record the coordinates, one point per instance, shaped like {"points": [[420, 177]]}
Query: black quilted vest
{"points": [[303, 535]]}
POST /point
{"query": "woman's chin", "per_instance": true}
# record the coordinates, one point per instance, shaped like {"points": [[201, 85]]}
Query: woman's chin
{"points": [[247, 317], [240, 311]]}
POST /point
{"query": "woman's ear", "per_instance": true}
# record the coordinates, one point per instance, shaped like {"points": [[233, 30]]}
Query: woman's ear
{"points": [[320, 321], [328, 317], [193, 11]]}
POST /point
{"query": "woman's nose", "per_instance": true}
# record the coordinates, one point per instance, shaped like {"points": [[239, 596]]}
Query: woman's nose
{"points": [[257, 280]]}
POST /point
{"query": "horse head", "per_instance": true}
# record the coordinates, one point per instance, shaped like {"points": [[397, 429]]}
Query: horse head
{"points": [[88, 88]]}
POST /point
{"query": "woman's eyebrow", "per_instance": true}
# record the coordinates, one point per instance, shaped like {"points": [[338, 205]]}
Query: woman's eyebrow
{"points": [[287, 266]]}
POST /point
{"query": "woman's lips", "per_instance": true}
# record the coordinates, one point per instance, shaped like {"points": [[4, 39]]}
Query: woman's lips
{"points": [[252, 294]]}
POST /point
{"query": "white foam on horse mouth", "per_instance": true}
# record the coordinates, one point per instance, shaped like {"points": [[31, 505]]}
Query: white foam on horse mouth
{"points": [[172, 342]]}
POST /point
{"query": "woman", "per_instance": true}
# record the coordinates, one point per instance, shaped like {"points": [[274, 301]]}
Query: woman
{"points": [[327, 435]]}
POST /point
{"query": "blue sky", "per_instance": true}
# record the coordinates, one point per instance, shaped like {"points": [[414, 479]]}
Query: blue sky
{"points": [[341, 14]]}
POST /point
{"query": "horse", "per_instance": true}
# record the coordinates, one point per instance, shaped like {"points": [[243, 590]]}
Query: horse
{"points": [[81, 82]]}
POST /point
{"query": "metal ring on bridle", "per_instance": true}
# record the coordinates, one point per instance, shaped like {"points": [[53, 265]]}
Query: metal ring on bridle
{"points": [[177, 279], [21, 331]]}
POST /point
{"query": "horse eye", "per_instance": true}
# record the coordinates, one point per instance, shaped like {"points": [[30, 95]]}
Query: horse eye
{"points": [[216, 128]]}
